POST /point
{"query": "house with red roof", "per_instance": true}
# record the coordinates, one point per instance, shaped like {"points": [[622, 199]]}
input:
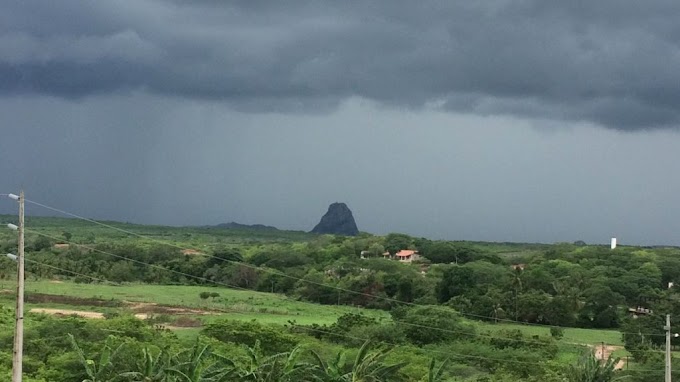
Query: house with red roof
{"points": [[407, 255], [404, 256]]}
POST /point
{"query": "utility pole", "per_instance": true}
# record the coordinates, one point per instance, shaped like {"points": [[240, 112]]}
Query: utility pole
{"points": [[668, 348], [18, 353]]}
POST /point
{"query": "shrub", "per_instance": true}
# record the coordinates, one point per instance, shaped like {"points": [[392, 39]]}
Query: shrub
{"points": [[418, 323], [556, 332], [272, 339]]}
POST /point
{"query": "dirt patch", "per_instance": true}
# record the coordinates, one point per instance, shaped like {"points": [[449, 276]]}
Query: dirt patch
{"points": [[170, 322], [173, 327], [187, 322], [136, 307], [67, 312], [177, 317], [40, 298], [179, 323], [605, 352], [152, 308], [620, 365]]}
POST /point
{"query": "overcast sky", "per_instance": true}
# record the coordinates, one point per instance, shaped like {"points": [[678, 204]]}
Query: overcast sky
{"points": [[538, 121]]}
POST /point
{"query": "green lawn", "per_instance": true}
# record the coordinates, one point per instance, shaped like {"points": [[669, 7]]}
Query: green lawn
{"points": [[263, 307], [245, 305], [571, 335]]}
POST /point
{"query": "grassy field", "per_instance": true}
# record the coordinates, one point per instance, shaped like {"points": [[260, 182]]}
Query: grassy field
{"points": [[240, 304], [571, 335], [250, 305]]}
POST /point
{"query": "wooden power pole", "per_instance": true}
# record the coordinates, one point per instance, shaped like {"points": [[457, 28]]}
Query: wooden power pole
{"points": [[668, 348], [18, 352]]}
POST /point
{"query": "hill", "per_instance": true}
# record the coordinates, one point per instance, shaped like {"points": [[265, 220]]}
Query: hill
{"points": [[234, 225]]}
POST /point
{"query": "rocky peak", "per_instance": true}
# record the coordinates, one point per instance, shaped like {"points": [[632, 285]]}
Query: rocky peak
{"points": [[337, 221]]}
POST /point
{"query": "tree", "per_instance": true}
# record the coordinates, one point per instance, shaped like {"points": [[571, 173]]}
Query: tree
{"points": [[600, 308], [560, 312], [312, 288], [224, 254], [395, 242], [279, 258], [376, 250], [418, 322], [531, 306], [41, 243], [456, 280], [273, 339], [670, 270], [67, 235], [448, 252], [243, 276], [516, 289]]}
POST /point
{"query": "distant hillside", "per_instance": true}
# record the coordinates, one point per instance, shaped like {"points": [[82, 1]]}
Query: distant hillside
{"points": [[234, 225]]}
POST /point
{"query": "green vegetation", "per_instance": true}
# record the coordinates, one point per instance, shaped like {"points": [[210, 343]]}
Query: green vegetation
{"points": [[245, 304]]}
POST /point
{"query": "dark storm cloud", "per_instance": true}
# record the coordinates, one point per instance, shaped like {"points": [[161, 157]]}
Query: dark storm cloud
{"points": [[609, 62]]}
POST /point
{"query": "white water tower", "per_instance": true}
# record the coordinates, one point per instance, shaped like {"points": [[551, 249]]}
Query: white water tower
{"points": [[613, 243]]}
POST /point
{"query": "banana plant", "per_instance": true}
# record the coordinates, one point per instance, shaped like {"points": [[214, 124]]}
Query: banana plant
{"points": [[371, 367], [281, 367], [150, 369], [367, 367], [201, 366], [330, 371], [96, 371], [436, 373], [590, 369]]}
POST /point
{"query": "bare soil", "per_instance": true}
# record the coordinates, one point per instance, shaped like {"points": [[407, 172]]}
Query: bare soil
{"points": [[141, 310], [68, 312], [40, 298], [150, 308], [604, 352]]}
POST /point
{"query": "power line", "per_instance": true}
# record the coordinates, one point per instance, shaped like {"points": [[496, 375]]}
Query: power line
{"points": [[278, 273]]}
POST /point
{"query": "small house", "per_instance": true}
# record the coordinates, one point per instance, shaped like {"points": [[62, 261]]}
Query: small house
{"points": [[407, 255]]}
